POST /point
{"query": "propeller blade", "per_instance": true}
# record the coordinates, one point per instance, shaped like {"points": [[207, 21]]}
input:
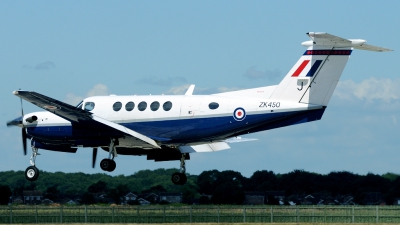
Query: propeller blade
{"points": [[94, 157], [24, 140], [22, 109]]}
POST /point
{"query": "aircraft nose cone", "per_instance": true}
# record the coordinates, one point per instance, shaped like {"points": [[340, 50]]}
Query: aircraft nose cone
{"points": [[15, 122]]}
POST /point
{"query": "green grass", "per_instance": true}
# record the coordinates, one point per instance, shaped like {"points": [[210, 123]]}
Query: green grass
{"points": [[200, 214]]}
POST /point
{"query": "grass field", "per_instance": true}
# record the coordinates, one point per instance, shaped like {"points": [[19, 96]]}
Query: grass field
{"points": [[221, 223], [200, 214]]}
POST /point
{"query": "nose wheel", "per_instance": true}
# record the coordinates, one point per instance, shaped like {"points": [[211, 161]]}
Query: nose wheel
{"points": [[179, 178], [32, 172]]}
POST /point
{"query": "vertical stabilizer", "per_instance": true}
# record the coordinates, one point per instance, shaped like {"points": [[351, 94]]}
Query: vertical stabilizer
{"points": [[314, 77]]}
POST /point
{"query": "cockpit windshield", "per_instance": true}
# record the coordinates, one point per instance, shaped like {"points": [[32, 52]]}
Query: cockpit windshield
{"points": [[79, 106], [89, 106]]}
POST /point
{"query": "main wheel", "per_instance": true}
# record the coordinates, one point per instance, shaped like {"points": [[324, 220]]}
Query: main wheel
{"points": [[31, 173], [113, 165], [108, 165], [105, 164], [179, 178]]}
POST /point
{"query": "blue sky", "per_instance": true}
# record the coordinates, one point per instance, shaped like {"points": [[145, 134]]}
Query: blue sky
{"points": [[73, 49]]}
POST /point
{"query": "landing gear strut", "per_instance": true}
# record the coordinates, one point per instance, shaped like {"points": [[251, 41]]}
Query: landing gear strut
{"points": [[109, 164], [32, 173], [180, 178]]}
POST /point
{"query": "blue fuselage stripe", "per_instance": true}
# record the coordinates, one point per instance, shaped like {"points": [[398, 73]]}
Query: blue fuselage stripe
{"points": [[168, 131]]}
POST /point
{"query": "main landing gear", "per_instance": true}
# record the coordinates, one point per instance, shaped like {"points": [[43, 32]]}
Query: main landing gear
{"points": [[179, 178], [32, 173], [109, 164]]}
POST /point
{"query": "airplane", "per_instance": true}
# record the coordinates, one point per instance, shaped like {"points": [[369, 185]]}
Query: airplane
{"points": [[171, 127]]}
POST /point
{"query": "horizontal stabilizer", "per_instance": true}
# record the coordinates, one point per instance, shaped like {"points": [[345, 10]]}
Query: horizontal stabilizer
{"points": [[239, 139], [214, 146], [211, 147], [325, 39], [372, 48]]}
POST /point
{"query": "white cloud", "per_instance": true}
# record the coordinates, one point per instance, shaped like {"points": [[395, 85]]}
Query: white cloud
{"points": [[165, 81], [371, 89], [180, 90], [226, 89], [72, 99], [97, 90]]}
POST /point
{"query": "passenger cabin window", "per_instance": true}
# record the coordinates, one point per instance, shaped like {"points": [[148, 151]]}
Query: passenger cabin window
{"points": [[117, 106], [89, 106], [167, 106], [213, 105], [154, 106], [142, 106], [129, 106]]}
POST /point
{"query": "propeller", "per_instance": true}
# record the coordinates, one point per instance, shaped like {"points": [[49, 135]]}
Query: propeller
{"points": [[18, 122], [24, 136], [94, 156]]}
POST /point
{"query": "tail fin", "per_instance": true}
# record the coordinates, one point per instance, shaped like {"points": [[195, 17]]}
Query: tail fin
{"points": [[315, 76]]}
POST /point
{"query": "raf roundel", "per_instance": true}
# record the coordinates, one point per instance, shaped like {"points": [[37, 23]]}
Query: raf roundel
{"points": [[239, 114]]}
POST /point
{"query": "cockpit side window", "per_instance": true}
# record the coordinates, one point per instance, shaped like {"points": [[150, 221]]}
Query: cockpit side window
{"points": [[89, 106]]}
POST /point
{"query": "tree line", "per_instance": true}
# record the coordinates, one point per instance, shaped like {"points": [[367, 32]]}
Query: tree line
{"points": [[223, 187]]}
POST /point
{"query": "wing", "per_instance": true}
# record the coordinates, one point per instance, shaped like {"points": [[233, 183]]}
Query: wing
{"points": [[76, 115]]}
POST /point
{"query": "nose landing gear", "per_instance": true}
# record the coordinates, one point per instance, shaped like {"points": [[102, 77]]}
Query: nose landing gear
{"points": [[179, 178], [32, 172]]}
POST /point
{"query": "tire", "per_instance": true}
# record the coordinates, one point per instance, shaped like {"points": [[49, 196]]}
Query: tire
{"points": [[183, 179], [105, 164], [113, 165], [178, 178], [31, 173]]}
